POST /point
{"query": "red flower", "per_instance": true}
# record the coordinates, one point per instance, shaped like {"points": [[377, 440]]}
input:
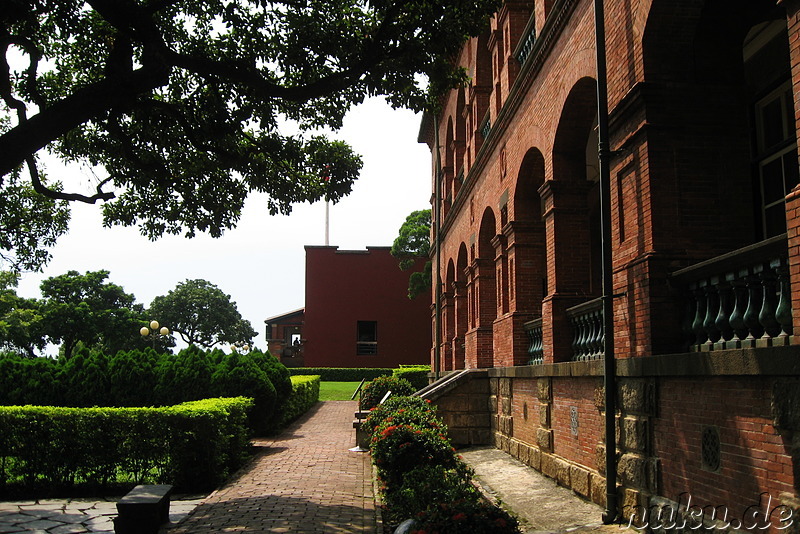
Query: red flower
{"points": [[459, 516], [500, 522]]}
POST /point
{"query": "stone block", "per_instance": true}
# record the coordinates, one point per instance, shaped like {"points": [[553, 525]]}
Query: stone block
{"points": [[632, 469], [506, 405], [459, 436], [492, 404], [523, 452], [562, 472], [600, 458], [477, 403], [637, 395], [513, 448], [544, 439], [549, 467], [598, 489], [504, 443], [535, 458], [544, 390], [632, 499], [635, 434], [494, 387], [505, 387], [579, 480], [544, 415], [497, 440], [480, 436], [478, 386], [600, 397]]}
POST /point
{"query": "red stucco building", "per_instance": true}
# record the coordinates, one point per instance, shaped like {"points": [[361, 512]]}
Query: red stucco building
{"points": [[357, 313], [704, 243]]}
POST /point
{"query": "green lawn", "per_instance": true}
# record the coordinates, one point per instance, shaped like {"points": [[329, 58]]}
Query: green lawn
{"points": [[336, 390]]}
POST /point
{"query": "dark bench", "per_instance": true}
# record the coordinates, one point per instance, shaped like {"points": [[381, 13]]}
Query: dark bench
{"points": [[143, 510]]}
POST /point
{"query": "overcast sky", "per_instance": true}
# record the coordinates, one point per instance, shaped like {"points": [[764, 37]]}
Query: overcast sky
{"points": [[261, 263]]}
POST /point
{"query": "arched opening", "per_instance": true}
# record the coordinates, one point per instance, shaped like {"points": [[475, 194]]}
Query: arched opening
{"points": [[528, 263], [485, 290], [460, 295], [449, 318], [575, 163]]}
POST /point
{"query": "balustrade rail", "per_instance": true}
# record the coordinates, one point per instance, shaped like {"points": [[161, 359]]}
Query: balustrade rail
{"points": [[536, 346], [739, 299], [587, 330]]}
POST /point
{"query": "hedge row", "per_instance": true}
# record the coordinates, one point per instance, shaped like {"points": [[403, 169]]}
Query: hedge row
{"points": [[342, 374], [147, 378], [422, 480], [194, 446], [416, 374], [305, 393]]}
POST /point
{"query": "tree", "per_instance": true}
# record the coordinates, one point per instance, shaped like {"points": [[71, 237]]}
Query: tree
{"points": [[412, 243], [84, 308], [178, 107], [202, 314], [20, 319]]}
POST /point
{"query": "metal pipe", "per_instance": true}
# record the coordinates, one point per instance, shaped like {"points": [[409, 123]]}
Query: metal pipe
{"points": [[609, 368]]}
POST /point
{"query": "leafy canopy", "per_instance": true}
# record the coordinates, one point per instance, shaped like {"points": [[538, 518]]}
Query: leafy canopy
{"points": [[412, 243], [202, 314], [180, 106]]}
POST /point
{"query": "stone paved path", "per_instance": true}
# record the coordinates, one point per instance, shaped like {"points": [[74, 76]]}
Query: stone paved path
{"points": [[304, 481]]}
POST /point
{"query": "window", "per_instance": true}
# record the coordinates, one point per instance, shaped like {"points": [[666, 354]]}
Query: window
{"points": [[367, 338], [777, 162]]}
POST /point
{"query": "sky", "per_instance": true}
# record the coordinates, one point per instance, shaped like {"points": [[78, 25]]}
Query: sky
{"points": [[261, 263]]}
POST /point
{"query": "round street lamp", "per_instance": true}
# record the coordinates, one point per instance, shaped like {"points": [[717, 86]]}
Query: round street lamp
{"points": [[154, 332]]}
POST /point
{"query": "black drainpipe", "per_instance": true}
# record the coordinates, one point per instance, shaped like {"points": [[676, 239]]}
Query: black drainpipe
{"points": [[436, 278], [609, 367]]}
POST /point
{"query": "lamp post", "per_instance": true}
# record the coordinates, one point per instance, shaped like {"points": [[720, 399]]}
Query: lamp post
{"points": [[154, 332], [243, 347]]}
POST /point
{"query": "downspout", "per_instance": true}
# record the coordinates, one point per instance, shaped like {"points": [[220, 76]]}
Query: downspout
{"points": [[437, 294], [609, 364]]}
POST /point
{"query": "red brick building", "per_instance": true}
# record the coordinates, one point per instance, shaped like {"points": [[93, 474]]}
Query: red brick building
{"points": [[703, 119], [357, 313]]}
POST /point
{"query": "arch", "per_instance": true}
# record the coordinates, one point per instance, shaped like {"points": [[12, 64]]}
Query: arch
{"points": [[488, 229], [528, 265], [574, 130]]}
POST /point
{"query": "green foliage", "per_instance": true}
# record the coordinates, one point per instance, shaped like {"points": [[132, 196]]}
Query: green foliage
{"points": [[412, 243], [202, 315], [85, 308], [186, 376], [31, 223], [20, 318], [466, 517], [195, 446], [417, 375], [421, 476], [133, 377], [180, 104], [342, 374], [24, 379], [241, 375], [305, 394], [374, 391], [85, 379]]}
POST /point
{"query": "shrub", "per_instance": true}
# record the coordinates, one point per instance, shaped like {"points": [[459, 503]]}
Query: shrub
{"points": [[342, 374], [238, 375], [402, 410], [465, 517], [375, 390], [194, 446], [132, 378], [84, 377], [305, 393], [185, 376], [416, 374], [397, 449], [426, 486]]}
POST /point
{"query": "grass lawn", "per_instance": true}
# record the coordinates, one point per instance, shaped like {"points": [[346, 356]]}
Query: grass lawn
{"points": [[336, 390]]}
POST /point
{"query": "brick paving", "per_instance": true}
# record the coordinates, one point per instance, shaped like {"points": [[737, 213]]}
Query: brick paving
{"points": [[304, 481]]}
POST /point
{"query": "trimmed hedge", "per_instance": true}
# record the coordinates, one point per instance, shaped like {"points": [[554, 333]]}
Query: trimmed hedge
{"points": [[342, 374], [194, 446], [148, 378], [373, 392], [305, 393], [416, 374]]}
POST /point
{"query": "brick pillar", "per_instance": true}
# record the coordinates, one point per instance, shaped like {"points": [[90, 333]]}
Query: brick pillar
{"points": [[793, 198]]}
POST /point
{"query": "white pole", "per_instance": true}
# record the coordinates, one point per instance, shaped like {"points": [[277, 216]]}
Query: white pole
{"points": [[327, 221]]}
